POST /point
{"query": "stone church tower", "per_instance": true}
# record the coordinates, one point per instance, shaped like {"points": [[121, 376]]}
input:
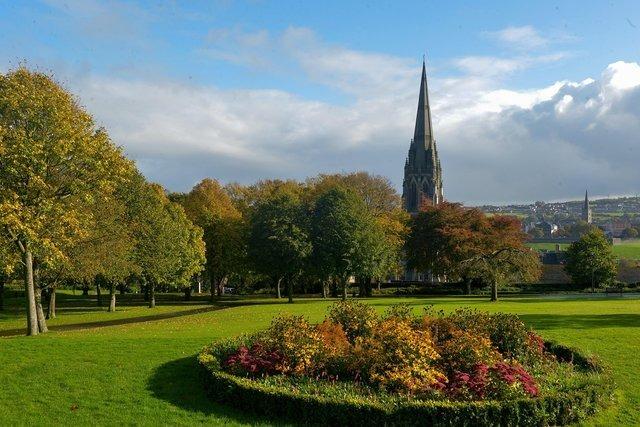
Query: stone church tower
{"points": [[422, 173]]}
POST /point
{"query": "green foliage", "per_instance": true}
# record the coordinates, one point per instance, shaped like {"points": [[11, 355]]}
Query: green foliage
{"points": [[590, 260], [347, 241], [169, 248], [279, 243]]}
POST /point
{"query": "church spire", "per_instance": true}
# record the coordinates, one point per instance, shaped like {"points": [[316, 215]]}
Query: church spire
{"points": [[423, 131], [422, 171], [586, 209]]}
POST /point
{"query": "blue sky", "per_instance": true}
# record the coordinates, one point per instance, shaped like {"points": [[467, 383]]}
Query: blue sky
{"points": [[246, 90]]}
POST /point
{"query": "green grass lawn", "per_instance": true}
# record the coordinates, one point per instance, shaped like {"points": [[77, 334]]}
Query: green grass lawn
{"points": [[547, 246], [629, 249], [145, 373]]}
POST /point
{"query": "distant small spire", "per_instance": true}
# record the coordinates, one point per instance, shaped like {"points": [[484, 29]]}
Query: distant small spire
{"points": [[586, 209]]}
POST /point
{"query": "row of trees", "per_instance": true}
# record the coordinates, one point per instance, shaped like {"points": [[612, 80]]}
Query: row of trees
{"points": [[324, 231], [72, 207]]}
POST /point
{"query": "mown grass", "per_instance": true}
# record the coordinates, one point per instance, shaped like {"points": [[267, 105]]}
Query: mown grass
{"points": [[145, 373], [628, 249], [547, 246]]}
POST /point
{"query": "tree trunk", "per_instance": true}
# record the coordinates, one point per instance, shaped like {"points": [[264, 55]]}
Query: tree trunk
{"points": [[85, 290], [199, 283], [334, 287], [278, 287], [51, 306], [122, 289], [467, 286], [494, 291], [290, 289], [345, 285], [378, 285], [37, 292], [112, 301], [187, 293], [361, 290], [212, 293], [325, 289], [32, 317], [152, 294], [98, 294]]}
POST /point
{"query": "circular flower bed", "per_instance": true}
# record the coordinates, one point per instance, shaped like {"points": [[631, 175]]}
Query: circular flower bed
{"points": [[465, 368]]}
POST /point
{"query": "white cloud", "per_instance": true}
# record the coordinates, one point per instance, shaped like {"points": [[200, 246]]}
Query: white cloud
{"points": [[525, 37], [496, 144]]}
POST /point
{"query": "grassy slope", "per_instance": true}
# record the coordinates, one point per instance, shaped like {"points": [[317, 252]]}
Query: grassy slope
{"points": [[629, 249], [145, 374], [626, 250]]}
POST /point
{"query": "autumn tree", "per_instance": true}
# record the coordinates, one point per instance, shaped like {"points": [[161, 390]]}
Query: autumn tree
{"points": [[211, 208], [451, 241], [53, 160], [590, 260], [376, 191], [8, 264]]}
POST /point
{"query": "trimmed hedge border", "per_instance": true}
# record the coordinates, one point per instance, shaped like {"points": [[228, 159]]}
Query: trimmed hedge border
{"points": [[560, 408]]}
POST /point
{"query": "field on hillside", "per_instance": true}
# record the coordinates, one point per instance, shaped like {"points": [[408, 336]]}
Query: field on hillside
{"points": [[142, 370], [547, 246], [628, 249]]}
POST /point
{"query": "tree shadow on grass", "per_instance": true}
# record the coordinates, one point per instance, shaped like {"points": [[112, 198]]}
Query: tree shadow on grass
{"points": [[581, 321], [179, 382]]}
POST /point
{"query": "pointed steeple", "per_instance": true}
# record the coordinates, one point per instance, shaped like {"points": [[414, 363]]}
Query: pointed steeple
{"points": [[423, 132], [422, 170], [586, 209]]}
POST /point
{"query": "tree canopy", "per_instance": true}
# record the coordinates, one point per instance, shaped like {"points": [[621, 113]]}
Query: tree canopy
{"points": [[590, 260]]}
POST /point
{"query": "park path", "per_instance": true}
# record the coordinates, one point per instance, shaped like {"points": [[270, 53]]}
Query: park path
{"points": [[117, 322]]}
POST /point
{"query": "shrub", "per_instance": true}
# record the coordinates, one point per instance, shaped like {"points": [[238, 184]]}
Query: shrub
{"points": [[295, 338], [357, 319], [398, 357], [501, 381], [465, 368], [464, 350], [399, 311], [256, 360], [334, 403]]}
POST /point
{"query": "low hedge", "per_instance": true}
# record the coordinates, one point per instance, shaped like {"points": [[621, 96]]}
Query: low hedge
{"points": [[558, 408]]}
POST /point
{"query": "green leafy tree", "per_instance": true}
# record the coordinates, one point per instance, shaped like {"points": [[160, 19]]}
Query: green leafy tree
{"points": [[346, 238], [53, 160], [279, 242], [590, 260], [630, 233], [169, 248]]}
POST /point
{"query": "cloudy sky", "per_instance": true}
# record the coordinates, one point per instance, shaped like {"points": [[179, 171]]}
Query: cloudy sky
{"points": [[531, 101]]}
